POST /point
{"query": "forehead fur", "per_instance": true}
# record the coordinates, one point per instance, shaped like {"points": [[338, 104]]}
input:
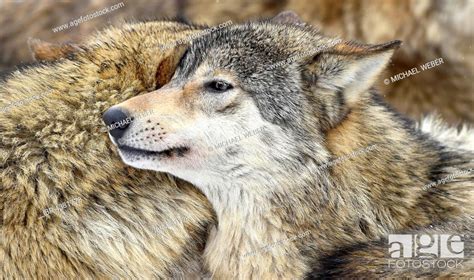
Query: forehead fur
{"points": [[254, 45], [265, 58]]}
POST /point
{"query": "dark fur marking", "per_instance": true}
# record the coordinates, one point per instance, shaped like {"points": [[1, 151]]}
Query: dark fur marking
{"points": [[340, 98], [229, 109], [333, 265], [364, 227]]}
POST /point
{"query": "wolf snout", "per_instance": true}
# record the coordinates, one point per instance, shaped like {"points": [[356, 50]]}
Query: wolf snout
{"points": [[117, 121]]}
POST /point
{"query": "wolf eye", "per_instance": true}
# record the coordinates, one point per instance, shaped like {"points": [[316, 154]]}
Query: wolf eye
{"points": [[218, 86]]}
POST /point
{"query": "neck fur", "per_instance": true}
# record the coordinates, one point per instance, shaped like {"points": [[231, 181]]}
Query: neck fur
{"points": [[378, 166]]}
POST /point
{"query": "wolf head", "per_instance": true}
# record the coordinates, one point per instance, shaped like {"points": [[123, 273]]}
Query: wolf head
{"points": [[249, 97]]}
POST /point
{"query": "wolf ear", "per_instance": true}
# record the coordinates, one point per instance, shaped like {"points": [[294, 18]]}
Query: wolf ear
{"points": [[351, 67], [168, 65], [44, 51], [287, 17]]}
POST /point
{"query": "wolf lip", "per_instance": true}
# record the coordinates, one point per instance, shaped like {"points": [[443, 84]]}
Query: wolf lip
{"points": [[179, 151]]}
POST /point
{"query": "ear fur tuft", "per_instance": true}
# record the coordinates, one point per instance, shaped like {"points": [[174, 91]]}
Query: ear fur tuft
{"points": [[287, 17], [353, 67], [45, 51]]}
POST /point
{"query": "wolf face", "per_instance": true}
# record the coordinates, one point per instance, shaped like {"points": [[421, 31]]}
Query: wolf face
{"points": [[250, 87], [284, 85]]}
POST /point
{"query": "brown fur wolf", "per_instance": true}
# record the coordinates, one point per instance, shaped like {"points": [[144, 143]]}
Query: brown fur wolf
{"points": [[307, 169], [69, 208]]}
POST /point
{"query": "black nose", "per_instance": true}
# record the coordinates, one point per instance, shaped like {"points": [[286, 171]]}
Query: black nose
{"points": [[117, 121]]}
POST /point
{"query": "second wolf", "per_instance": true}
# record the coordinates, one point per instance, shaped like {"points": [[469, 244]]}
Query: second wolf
{"points": [[124, 223]]}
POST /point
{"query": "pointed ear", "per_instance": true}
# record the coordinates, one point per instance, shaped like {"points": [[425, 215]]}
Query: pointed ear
{"points": [[44, 51], [287, 17], [352, 67], [168, 65], [342, 73]]}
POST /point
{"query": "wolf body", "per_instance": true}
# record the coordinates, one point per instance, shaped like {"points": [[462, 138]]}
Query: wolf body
{"points": [[69, 208], [314, 110]]}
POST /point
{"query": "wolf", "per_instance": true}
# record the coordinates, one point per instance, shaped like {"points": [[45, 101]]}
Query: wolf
{"points": [[69, 208], [332, 171]]}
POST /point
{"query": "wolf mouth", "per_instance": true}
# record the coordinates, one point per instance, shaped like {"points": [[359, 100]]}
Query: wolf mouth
{"points": [[178, 151]]}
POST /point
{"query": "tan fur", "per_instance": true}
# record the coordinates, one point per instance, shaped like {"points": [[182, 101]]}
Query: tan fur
{"points": [[54, 150]]}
